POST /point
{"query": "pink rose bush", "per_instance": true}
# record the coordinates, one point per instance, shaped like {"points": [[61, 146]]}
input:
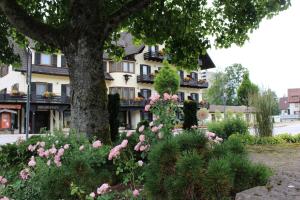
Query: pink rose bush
{"points": [[3, 180]]}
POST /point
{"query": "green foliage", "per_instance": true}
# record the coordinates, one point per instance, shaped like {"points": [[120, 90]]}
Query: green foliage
{"points": [[245, 90], [167, 80], [228, 126], [80, 172], [226, 83], [190, 114], [186, 167], [114, 109], [264, 104], [255, 140]]}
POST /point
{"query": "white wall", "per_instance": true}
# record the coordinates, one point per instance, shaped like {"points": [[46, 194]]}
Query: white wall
{"points": [[12, 78]]}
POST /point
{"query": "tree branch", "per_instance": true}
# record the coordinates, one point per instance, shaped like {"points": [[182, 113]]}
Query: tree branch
{"points": [[28, 25], [125, 11]]}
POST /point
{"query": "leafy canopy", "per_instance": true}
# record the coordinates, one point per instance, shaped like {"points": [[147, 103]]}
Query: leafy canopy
{"points": [[246, 89], [184, 26]]}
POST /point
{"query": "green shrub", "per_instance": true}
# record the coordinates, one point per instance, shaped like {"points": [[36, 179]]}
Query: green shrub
{"points": [[190, 114], [228, 127], [114, 109], [189, 166]]}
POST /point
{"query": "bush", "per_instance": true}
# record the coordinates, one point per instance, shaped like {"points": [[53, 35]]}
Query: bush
{"points": [[229, 126], [189, 166], [190, 114], [114, 109]]}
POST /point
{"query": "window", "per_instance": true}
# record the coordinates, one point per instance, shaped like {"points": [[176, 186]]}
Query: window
{"points": [[126, 93], [46, 59], [3, 70], [153, 49], [41, 88], [194, 76], [124, 66], [180, 96], [145, 70], [68, 91], [146, 93], [195, 97], [67, 119]]}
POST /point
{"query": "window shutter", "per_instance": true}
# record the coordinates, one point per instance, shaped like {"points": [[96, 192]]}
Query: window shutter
{"points": [[63, 61], [149, 94], [63, 90], [37, 58], [49, 87], [148, 70], [141, 70], [54, 60]]}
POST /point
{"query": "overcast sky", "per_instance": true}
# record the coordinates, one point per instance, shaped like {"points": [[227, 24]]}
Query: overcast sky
{"points": [[272, 54]]}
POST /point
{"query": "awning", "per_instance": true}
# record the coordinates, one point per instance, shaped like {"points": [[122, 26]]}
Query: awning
{"points": [[8, 111]]}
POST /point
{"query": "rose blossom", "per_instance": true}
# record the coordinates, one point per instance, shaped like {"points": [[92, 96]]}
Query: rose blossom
{"points": [[140, 163], [4, 198], [135, 193], [142, 148], [81, 148], [61, 152], [97, 144], [103, 188], [137, 146], [167, 96], [24, 174], [66, 146], [151, 123], [3, 180], [154, 129], [147, 107], [142, 138], [141, 129], [42, 144], [93, 195], [53, 150], [32, 162], [41, 151], [129, 133], [124, 143], [174, 97]]}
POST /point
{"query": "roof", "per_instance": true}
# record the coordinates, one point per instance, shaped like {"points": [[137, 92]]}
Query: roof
{"points": [[58, 71], [283, 103], [207, 62], [235, 109], [294, 95]]}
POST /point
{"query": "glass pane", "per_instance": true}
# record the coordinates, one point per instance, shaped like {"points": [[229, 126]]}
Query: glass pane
{"points": [[41, 89], [131, 94], [145, 71], [131, 66], [68, 91], [45, 59], [125, 67], [125, 93], [152, 48]]}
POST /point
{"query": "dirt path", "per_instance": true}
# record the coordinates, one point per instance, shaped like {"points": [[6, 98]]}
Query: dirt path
{"points": [[285, 162]]}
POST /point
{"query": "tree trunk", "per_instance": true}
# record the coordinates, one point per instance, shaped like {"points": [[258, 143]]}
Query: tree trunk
{"points": [[89, 114]]}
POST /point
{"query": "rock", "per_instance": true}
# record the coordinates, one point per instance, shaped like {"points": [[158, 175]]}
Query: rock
{"points": [[282, 186]]}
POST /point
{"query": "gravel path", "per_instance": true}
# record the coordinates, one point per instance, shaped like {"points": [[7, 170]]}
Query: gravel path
{"points": [[285, 162]]}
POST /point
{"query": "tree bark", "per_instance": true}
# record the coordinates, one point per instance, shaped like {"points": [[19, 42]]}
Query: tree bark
{"points": [[89, 114]]}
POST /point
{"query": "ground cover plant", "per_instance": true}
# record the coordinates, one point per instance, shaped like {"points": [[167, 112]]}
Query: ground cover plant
{"points": [[153, 162]]}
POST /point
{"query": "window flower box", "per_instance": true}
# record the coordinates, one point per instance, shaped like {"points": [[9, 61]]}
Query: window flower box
{"points": [[48, 94]]}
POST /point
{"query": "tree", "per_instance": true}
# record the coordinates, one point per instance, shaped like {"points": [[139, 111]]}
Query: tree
{"points": [[264, 104], [226, 84], [167, 80], [114, 109], [245, 90], [83, 30], [190, 114], [234, 77]]}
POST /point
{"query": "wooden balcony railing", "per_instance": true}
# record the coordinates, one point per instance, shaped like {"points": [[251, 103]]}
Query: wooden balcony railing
{"points": [[8, 98], [153, 56]]}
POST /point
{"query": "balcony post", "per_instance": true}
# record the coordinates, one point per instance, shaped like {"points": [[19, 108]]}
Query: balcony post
{"points": [[28, 81]]}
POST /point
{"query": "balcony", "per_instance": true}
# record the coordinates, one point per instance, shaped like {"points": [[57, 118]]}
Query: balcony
{"points": [[154, 56], [8, 98], [191, 83], [133, 104], [145, 78]]}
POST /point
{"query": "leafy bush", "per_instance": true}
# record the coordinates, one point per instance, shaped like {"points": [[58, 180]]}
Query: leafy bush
{"points": [[229, 126], [190, 114], [189, 166], [278, 139]]}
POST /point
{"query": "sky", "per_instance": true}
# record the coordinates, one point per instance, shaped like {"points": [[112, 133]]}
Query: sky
{"points": [[272, 54]]}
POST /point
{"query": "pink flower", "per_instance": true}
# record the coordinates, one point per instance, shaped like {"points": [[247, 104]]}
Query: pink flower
{"points": [[154, 129], [142, 148], [210, 134], [24, 174], [81, 148], [32, 162], [53, 150], [167, 96], [174, 97], [136, 193], [142, 138], [42, 144], [41, 151], [218, 139], [154, 98], [140, 163], [151, 123], [137, 146], [31, 147], [4, 198], [97, 144], [57, 161], [46, 153], [61, 152], [124, 143], [160, 126], [66, 146], [129, 133], [141, 129], [93, 195], [147, 107], [103, 188], [3, 180], [114, 152], [194, 126]]}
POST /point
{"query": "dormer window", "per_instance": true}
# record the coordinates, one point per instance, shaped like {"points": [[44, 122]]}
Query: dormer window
{"points": [[45, 59], [153, 49]]}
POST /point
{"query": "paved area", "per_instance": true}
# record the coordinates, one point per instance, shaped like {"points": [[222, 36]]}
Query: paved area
{"points": [[10, 138], [292, 127]]}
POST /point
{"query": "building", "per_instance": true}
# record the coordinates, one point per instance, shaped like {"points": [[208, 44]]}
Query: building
{"points": [[50, 102], [294, 101], [284, 106]]}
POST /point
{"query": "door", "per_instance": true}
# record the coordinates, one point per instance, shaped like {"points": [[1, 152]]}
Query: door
{"points": [[42, 120], [6, 120]]}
